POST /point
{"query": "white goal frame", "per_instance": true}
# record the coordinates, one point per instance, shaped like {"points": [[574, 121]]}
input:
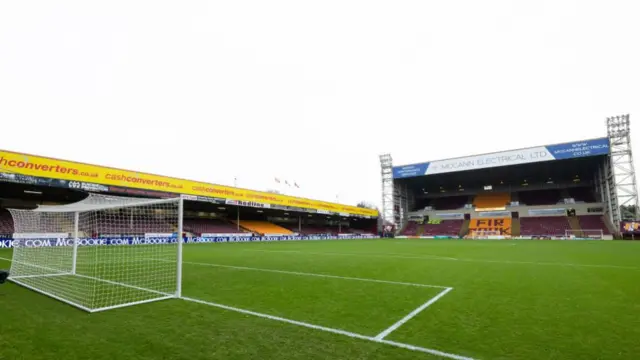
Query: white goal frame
{"points": [[595, 234], [93, 203]]}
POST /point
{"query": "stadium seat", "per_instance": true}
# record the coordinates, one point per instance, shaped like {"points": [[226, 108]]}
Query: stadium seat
{"points": [[61, 226], [210, 226], [264, 227], [444, 228], [322, 229], [311, 229], [593, 222], [544, 226], [6, 222], [316, 230], [411, 229], [137, 225], [491, 200]]}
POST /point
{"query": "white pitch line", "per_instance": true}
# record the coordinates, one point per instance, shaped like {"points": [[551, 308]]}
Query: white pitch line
{"points": [[332, 330], [425, 256], [387, 255], [313, 274], [551, 264], [32, 265], [411, 315], [452, 259], [123, 284], [39, 276]]}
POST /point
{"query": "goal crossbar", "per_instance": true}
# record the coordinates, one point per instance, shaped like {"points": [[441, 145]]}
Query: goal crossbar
{"points": [[88, 205]]}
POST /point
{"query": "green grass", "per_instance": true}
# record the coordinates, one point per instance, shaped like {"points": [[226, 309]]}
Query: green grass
{"points": [[511, 300]]}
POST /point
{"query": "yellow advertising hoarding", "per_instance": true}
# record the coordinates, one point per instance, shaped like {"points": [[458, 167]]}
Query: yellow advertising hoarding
{"points": [[32, 165]]}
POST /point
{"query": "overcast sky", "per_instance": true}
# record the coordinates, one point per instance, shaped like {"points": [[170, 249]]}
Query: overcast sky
{"points": [[309, 91]]}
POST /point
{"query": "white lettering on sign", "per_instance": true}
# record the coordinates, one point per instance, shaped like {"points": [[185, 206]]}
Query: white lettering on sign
{"points": [[515, 157]]}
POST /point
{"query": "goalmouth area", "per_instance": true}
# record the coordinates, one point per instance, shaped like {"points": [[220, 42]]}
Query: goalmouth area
{"points": [[357, 299]]}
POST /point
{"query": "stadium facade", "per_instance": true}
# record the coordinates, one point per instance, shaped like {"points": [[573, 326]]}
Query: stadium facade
{"points": [[576, 189]]}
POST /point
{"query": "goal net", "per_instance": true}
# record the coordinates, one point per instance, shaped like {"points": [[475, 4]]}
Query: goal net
{"points": [[585, 234], [101, 253]]}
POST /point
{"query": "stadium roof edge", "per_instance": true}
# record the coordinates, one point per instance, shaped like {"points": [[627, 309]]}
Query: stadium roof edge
{"points": [[499, 151], [49, 169]]}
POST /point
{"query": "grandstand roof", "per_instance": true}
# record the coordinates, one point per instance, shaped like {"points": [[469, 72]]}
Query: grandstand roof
{"points": [[559, 172], [571, 150], [44, 171]]}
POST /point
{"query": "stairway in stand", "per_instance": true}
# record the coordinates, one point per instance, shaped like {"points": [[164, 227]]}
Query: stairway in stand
{"points": [[464, 230], [515, 227], [575, 225]]}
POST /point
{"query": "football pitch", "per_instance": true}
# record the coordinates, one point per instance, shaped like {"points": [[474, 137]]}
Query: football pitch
{"points": [[357, 299]]}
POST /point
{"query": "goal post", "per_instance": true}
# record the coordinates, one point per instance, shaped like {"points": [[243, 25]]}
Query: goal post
{"points": [[101, 253], [180, 231], [584, 234]]}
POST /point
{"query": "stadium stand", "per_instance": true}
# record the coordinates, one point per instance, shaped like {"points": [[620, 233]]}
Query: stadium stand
{"points": [[325, 229], [6, 222], [593, 222], [210, 226], [133, 226], [544, 226], [315, 229], [557, 191], [443, 228], [411, 229], [136, 225], [491, 200], [264, 227]]}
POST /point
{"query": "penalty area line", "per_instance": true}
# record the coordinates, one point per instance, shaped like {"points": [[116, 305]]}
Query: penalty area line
{"points": [[386, 255], [298, 273], [442, 258], [331, 330], [412, 314], [316, 275]]}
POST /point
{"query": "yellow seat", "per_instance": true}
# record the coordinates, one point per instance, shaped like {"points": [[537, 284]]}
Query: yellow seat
{"points": [[491, 200], [264, 227]]}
